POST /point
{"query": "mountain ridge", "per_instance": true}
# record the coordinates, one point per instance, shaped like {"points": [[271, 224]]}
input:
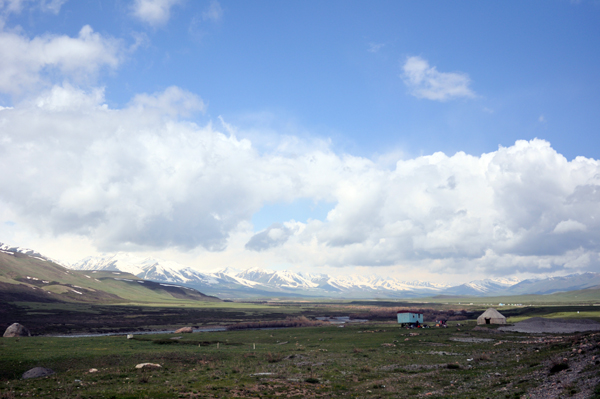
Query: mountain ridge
{"points": [[231, 283]]}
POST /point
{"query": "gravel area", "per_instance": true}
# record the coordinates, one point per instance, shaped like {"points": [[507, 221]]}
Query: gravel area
{"points": [[579, 381], [555, 326]]}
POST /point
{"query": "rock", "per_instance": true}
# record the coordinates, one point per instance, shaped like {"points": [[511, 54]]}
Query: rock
{"points": [[129, 336], [37, 372], [147, 365], [184, 330], [16, 330], [93, 371]]}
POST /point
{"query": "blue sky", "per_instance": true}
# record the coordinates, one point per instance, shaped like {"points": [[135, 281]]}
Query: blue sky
{"points": [[185, 128]]}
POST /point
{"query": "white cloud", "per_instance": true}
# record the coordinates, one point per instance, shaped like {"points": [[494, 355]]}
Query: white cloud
{"points": [[214, 12], [375, 47], [52, 6], [426, 82], [8, 7], [173, 101], [11, 6], [566, 226], [141, 178], [27, 63], [154, 12], [542, 119]]}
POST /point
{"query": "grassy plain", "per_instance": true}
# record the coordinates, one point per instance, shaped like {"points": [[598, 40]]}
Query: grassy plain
{"points": [[359, 360], [589, 296]]}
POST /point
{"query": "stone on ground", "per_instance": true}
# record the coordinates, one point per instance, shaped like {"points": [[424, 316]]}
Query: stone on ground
{"points": [[147, 365], [37, 372], [17, 330]]}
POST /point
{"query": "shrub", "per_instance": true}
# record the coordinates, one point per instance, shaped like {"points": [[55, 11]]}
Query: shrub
{"points": [[556, 367], [274, 357]]}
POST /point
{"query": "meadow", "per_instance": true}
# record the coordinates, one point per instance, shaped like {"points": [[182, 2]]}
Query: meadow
{"points": [[372, 359]]}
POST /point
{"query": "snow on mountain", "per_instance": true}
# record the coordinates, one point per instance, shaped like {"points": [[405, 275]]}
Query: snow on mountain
{"points": [[256, 279], [9, 249], [161, 271], [283, 278], [235, 283], [479, 287]]}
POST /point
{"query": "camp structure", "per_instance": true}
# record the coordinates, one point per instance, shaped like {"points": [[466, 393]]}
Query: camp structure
{"points": [[491, 316], [406, 317]]}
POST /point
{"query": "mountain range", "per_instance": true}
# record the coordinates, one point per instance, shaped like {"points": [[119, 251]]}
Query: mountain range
{"points": [[255, 282], [231, 283]]}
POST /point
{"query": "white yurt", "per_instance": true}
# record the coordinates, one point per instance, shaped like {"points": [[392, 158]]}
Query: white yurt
{"points": [[491, 316]]}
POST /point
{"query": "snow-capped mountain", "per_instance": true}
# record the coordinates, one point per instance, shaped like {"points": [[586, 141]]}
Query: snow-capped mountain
{"points": [[482, 287], [260, 282], [571, 282], [11, 249], [256, 282]]}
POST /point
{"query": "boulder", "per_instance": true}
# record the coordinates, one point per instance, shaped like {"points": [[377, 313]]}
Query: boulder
{"points": [[16, 330], [184, 330], [147, 365], [37, 372]]}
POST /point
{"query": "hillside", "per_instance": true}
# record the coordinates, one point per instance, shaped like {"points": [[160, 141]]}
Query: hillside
{"points": [[28, 278]]}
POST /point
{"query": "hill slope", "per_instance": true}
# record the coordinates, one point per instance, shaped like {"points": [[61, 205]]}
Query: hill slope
{"points": [[25, 277]]}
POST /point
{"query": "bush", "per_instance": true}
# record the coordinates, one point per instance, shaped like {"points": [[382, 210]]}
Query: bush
{"points": [[556, 367], [274, 357]]}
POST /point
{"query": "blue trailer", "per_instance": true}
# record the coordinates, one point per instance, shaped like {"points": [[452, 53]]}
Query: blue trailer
{"points": [[406, 318]]}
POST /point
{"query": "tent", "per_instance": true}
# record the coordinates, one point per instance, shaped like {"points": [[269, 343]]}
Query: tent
{"points": [[491, 316]]}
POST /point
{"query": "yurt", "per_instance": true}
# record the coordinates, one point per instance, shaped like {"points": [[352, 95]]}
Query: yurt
{"points": [[491, 316]]}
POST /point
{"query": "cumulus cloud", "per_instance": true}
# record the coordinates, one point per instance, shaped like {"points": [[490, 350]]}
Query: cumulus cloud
{"points": [[427, 82], [143, 177], [27, 63], [273, 236], [154, 12]]}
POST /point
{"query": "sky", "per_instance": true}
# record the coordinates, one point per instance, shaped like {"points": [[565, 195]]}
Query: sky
{"points": [[441, 141]]}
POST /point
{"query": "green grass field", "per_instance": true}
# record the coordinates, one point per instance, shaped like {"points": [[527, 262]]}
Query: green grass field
{"points": [[359, 360]]}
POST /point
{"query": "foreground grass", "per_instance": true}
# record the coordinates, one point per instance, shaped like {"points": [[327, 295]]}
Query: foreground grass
{"points": [[361, 360]]}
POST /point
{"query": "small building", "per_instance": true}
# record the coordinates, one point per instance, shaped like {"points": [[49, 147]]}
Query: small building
{"points": [[407, 317], [491, 316]]}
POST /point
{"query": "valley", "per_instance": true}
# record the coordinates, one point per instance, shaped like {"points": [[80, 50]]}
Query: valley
{"points": [[366, 354]]}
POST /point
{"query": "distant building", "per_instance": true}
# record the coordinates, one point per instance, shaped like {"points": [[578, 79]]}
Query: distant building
{"points": [[407, 317], [491, 316]]}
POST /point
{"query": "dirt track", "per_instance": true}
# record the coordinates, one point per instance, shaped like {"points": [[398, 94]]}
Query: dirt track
{"points": [[555, 326]]}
